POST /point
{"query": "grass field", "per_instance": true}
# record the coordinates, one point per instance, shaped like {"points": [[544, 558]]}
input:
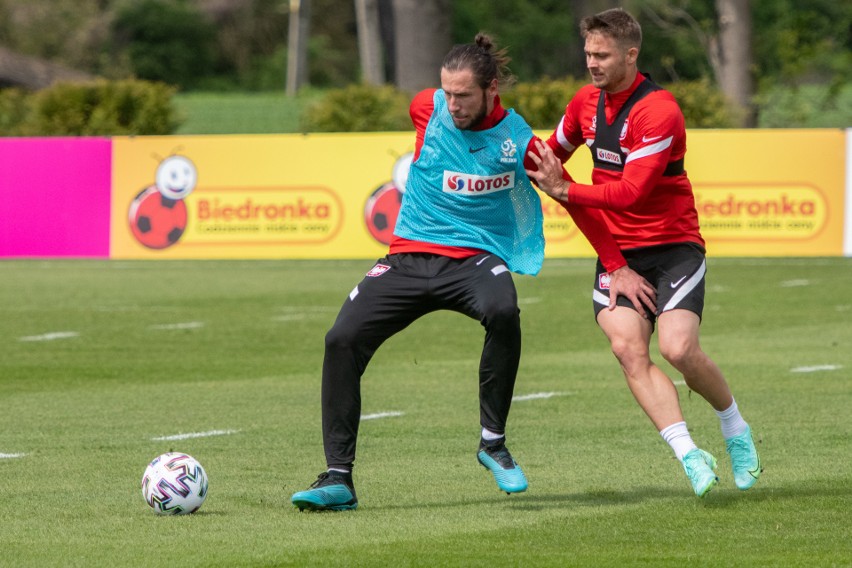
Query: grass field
{"points": [[102, 357], [240, 113]]}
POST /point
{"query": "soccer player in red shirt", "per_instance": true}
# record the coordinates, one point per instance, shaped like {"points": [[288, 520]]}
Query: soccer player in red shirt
{"points": [[636, 133]]}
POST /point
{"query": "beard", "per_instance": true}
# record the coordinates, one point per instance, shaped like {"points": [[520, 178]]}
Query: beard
{"points": [[476, 118]]}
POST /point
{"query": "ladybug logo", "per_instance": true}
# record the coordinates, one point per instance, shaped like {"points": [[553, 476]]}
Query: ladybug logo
{"points": [[382, 207], [158, 215]]}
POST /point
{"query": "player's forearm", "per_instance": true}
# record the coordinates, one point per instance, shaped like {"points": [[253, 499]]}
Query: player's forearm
{"points": [[591, 223]]}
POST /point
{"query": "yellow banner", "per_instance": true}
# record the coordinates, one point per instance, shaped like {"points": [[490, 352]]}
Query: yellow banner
{"points": [[769, 192], [289, 196], [758, 193]]}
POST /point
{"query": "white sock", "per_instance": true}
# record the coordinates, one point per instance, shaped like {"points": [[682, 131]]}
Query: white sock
{"points": [[339, 470], [677, 436], [489, 435], [731, 421]]}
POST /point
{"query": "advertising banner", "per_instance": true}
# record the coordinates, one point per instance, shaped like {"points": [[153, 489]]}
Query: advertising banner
{"points": [[324, 196], [288, 196], [758, 193], [54, 197], [769, 192]]}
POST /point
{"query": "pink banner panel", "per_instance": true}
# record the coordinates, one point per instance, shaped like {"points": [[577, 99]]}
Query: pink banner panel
{"points": [[55, 197]]}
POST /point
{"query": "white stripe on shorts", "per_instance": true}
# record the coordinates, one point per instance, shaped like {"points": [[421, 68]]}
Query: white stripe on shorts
{"points": [[686, 287]]}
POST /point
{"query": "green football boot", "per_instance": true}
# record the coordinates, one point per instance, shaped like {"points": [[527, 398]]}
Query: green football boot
{"points": [[700, 467], [744, 459]]}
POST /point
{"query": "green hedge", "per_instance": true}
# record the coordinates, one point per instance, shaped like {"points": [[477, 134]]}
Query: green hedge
{"points": [[358, 108], [133, 107], [98, 108], [542, 104], [365, 108], [703, 104]]}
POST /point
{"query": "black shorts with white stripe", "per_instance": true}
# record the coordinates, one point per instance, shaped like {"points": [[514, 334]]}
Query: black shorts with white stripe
{"points": [[676, 271]]}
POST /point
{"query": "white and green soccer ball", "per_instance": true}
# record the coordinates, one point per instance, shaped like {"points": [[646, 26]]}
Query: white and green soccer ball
{"points": [[174, 484]]}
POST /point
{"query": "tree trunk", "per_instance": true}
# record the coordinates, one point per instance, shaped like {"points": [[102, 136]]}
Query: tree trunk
{"points": [[297, 45], [370, 41], [386, 33], [422, 39], [732, 56]]}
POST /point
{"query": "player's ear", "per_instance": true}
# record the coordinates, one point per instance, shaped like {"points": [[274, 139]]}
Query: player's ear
{"points": [[492, 88]]}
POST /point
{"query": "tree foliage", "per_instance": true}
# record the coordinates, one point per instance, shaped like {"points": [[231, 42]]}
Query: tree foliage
{"points": [[241, 44], [166, 41], [795, 40], [541, 35]]}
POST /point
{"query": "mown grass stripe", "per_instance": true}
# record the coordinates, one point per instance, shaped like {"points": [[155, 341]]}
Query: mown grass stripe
{"points": [[538, 395], [182, 325], [194, 435], [50, 336], [377, 415], [815, 368]]}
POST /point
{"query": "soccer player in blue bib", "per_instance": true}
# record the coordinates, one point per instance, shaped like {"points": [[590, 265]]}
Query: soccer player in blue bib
{"points": [[469, 218]]}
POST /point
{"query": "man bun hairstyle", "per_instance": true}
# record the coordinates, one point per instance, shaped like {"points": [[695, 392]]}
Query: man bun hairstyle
{"points": [[615, 23], [483, 58]]}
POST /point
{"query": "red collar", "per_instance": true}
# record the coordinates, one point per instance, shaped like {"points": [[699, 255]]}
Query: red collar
{"points": [[494, 117]]}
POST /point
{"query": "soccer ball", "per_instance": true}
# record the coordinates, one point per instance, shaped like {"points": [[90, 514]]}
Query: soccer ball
{"points": [[174, 484], [155, 220], [381, 211]]}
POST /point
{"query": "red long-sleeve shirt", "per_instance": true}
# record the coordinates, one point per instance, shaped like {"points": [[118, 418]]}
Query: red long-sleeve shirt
{"points": [[641, 206], [589, 221]]}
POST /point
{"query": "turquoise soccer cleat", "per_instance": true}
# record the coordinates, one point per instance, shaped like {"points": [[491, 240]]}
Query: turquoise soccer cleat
{"points": [[332, 491], [700, 467], [507, 473], [744, 459]]}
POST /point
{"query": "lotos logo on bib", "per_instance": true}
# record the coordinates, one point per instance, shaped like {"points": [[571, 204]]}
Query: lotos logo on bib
{"points": [[468, 184], [609, 156]]}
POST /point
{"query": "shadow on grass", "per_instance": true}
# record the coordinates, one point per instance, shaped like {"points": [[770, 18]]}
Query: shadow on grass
{"points": [[720, 497], [538, 501]]}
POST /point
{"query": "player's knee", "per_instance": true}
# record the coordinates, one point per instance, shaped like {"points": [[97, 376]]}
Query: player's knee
{"points": [[505, 316], [628, 352], [677, 352], [340, 338]]}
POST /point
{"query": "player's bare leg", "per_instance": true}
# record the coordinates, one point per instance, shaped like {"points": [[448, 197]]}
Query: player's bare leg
{"points": [[679, 345], [629, 335]]}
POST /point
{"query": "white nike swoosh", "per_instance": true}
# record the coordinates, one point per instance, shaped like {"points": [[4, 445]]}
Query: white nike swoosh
{"points": [[675, 284], [646, 139], [481, 260]]}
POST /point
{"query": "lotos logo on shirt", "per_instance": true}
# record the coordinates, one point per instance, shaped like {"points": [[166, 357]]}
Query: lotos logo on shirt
{"points": [[609, 156], [469, 184]]}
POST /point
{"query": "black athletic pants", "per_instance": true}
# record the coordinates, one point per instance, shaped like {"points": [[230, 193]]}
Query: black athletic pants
{"points": [[399, 289]]}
